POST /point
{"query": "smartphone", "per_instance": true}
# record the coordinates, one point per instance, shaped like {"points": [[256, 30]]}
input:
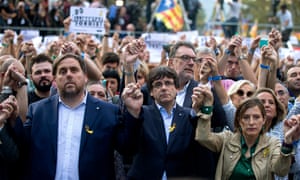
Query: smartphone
{"points": [[104, 83], [263, 42]]}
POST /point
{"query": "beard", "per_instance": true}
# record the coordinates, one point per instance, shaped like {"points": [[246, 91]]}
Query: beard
{"points": [[43, 87], [67, 93]]}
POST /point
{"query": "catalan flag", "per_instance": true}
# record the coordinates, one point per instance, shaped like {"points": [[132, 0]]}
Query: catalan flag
{"points": [[169, 12]]}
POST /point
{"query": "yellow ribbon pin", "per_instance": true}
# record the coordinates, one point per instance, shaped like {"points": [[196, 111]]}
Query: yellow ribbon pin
{"points": [[266, 152], [172, 127], [88, 130]]}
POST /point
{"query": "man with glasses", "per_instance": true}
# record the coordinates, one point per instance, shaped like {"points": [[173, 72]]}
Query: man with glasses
{"points": [[167, 145], [182, 59]]}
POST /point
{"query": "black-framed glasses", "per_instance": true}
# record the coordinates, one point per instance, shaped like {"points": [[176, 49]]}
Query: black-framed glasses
{"points": [[159, 84], [186, 58], [241, 93]]}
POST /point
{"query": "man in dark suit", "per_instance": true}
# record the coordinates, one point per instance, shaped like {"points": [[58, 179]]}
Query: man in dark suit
{"points": [[182, 60], [72, 135], [166, 148]]}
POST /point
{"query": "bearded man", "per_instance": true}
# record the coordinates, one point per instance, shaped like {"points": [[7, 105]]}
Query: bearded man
{"points": [[41, 76]]}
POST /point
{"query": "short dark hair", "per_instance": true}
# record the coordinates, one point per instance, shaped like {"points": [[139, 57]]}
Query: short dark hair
{"points": [[59, 59], [177, 45], [161, 72], [110, 73], [110, 57], [283, 6], [40, 58]]}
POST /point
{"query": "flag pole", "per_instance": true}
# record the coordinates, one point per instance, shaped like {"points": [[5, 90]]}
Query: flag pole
{"points": [[185, 18], [149, 25]]}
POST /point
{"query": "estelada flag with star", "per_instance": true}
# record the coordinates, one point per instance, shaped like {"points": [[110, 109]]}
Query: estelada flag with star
{"points": [[169, 12]]}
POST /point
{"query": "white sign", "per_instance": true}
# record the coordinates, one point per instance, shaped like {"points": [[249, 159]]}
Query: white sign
{"points": [[49, 39], [188, 35], [28, 35], [155, 42], [87, 20]]}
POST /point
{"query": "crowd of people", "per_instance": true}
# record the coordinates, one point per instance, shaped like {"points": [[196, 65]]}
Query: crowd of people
{"points": [[44, 14], [85, 110]]}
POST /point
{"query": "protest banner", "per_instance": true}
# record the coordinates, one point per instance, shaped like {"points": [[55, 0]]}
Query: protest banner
{"points": [[87, 20]]}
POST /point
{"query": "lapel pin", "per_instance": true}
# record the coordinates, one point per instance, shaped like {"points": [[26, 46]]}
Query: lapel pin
{"points": [[172, 127], [88, 130], [266, 152]]}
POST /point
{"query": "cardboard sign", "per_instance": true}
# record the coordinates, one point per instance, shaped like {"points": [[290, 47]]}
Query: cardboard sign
{"points": [[87, 20]]}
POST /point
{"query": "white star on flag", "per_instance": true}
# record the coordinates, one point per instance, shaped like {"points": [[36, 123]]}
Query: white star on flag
{"points": [[168, 3]]}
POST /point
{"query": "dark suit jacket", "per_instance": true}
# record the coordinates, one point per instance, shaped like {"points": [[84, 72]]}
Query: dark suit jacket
{"points": [[9, 153], [155, 155], [219, 116], [96, 159]]}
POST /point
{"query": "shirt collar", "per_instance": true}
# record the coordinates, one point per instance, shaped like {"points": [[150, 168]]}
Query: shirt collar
{"points": [[83, 102], [185, 87], [162, 108], [245, 147]]}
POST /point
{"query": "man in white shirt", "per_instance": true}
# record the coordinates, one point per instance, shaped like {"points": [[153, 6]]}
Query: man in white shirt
{"points": [[286, 22], [230, 28]]}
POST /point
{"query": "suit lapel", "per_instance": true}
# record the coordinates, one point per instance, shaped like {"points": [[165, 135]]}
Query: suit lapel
{"points": [[52, 120], [189, 91], [159, 126], [178, 119], [90, 116]]}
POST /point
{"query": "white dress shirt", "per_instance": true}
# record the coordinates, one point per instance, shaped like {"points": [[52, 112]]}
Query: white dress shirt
{"points": [[167, 118], [70, 124], [181, 95]]}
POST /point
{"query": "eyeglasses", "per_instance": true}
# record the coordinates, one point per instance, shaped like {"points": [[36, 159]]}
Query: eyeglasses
{"points": [[199, 60], [280, 92], [186, 58], [241, 93], [159, 84]]}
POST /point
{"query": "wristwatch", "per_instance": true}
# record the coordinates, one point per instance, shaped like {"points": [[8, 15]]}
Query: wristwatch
{"points": [[21, 84]]}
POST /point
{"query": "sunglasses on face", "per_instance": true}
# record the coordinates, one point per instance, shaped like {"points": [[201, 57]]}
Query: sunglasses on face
{"points": [[280, 92], [241, 93]]}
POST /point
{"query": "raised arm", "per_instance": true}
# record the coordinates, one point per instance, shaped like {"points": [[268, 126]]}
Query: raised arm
{"points": [[236, 41], [246, 70], [268, 67]]}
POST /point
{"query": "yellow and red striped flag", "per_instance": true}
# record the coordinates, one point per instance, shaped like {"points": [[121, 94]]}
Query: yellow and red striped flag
{"points": [[169, 12]]}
